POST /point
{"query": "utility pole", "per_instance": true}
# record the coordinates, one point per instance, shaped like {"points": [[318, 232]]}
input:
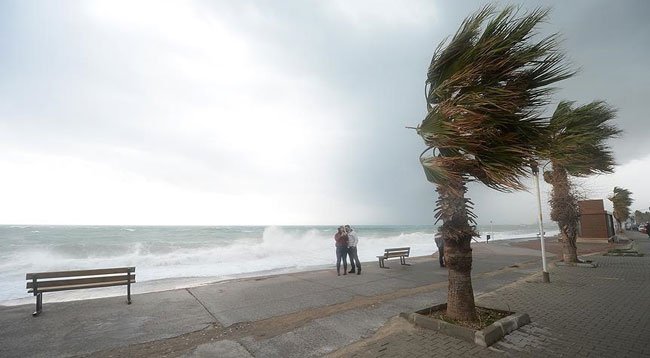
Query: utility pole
{"points": [[545, 276]]}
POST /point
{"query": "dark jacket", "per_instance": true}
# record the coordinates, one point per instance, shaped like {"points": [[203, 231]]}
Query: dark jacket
{"points": [[341, 239], [439, 241]]}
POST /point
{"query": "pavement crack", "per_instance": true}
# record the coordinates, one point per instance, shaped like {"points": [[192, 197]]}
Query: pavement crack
{"points": [[202, 305]]}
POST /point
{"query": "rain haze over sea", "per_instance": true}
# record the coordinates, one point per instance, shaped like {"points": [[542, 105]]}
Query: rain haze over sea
{"points": [[181, 256]]}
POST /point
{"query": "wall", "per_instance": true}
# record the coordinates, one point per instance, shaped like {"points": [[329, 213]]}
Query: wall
{"points": [[593, 219]]}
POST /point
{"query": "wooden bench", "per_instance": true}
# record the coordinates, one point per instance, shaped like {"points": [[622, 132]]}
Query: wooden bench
{"points": [[40, 282], [400, 252]]}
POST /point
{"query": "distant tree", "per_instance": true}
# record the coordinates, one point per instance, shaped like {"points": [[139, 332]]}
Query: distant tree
{"points": [[484, 90], [621, 199], [640, 217], [576, 145]]}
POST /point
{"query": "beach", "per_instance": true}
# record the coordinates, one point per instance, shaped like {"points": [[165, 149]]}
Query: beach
{"points": [[311, 313]]}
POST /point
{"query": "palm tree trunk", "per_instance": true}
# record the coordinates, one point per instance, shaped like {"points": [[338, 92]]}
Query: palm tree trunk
{"points": [[565, 211], [457, 234], [620, 224], [569, 246]]}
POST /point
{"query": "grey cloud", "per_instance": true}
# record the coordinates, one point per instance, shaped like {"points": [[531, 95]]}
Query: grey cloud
{"points": [[375, 74]]}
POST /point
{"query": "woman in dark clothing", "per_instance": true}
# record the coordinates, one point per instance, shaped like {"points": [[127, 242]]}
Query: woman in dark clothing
{"points": [[341, 239]]}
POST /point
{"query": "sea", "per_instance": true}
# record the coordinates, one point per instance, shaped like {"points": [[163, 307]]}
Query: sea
{"points": [[170, 257]]}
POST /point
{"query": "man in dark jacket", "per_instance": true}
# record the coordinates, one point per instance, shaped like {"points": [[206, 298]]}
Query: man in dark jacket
{"points": [[441, 250]]}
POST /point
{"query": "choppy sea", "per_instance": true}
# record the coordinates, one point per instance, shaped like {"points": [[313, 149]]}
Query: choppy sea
{"points": [[169, 257]]}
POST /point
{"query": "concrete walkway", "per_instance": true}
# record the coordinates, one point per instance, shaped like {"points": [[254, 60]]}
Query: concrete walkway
{"points": [[317, 313]]}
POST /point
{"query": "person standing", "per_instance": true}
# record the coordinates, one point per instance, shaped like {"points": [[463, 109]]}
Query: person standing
{"points": [[353, 240], [341, 239], [440, 242]]}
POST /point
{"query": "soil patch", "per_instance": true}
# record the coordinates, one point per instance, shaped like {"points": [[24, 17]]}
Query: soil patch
{"points": [[486, 316]]}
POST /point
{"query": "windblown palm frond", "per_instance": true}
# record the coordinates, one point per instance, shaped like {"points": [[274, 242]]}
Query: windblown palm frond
{"points": [[578, 136], [484, 88]]}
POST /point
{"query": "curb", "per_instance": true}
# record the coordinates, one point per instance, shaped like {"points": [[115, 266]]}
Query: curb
{"points": [[577, 264], [484, 337]]}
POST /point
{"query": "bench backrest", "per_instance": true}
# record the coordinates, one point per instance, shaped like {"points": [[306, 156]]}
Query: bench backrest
{"points": [[71, 280], [399, 251]]}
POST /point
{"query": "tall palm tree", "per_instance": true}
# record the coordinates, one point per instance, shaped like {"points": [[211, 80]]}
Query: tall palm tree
{"points": [[576, 146], [484, 89], [621, 199]]}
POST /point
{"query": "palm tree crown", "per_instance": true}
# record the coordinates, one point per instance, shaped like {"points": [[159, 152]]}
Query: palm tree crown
{"points": [[621, 199], [483, 91], [577, 138]]}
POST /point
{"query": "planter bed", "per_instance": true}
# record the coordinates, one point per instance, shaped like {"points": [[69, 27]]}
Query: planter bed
{"points": [[484, 337]]}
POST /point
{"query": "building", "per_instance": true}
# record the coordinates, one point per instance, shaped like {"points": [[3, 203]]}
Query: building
{"points": [[595, 221]]}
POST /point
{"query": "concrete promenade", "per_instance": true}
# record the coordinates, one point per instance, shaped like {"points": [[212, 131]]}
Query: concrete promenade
{"points": [[599, 312]]}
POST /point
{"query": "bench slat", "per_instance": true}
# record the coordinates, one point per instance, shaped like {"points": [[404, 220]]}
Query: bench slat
{"points": [[396, 254], [80, 281], [76, 287], [56, 274], [398, 248]]}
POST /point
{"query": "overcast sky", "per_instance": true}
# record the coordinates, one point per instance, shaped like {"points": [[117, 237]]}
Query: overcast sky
{"points": [[266, 112]]}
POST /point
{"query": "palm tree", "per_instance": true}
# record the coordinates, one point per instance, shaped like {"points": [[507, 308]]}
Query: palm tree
{"points": [[576, 146], [622, 201], [484, 89]]}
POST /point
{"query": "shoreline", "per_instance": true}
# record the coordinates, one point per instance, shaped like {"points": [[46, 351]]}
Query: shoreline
{"points": [[175, 283]]}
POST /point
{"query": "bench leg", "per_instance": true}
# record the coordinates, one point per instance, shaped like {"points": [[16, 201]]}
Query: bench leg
{"points": [[39, 304], [128, 292], [402, 260]]}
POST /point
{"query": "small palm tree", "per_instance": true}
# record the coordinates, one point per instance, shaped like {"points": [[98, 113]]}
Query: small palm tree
{"points": [[576, 146], [484, 89], [621, 199]]}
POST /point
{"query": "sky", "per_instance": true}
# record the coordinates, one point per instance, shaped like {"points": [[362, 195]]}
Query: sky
{"points": [[268, 112]]}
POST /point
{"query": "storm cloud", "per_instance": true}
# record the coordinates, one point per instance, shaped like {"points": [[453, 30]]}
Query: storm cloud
{"points": [[251, 112]]}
